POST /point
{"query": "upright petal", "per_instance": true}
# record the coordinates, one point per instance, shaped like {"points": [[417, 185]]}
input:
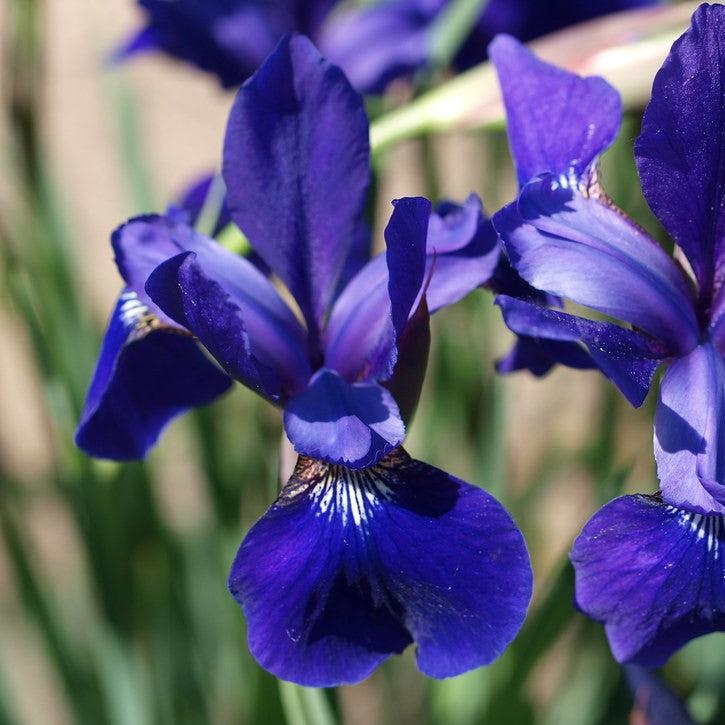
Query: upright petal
{"points": [[146, 375], [349, 567], [194, 197], [374, 309], [653, 575], [296, 165], [681, 149], [573, 246], [690, 432], [558, 122], [627, 358], [353, 425], [277, 339]]}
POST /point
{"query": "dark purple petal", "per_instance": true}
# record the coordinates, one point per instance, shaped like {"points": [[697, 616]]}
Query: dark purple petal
{"points": [[349, 567], [654, 702], [573, 246], [373, 310], [653, 575], [296, 166], [277, 339], [558, 122], [539, 356], [144, 40], [194, 299], [378, 43], [145, 376], [351, 424], [627, 358], [681, 150], [690, 432]]}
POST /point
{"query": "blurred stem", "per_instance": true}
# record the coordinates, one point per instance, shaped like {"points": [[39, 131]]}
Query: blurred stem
{"points": [[451, 28], [304, 705]]}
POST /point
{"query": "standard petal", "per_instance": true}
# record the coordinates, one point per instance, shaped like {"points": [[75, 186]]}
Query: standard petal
{"points": [[690, 432], [146, 375], [681, 149], [351, 424], [573, 246], [276, 337], [296, 166], [627, 358], [557, 122], [348, 567], [374, 309], [653, 575]]}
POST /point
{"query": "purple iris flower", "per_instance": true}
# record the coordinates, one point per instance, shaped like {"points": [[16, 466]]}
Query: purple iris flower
{"points": [[377, 43], [228, 38], [366, 550], [651, 568]]}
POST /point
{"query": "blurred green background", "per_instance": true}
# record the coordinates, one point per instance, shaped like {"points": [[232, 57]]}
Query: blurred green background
{"points": [[113, 601]]}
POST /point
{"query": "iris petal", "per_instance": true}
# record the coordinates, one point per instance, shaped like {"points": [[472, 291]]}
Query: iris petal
{"points": [[348, 567], [146, 375], [297, 171], [335, 421], [573, 246], [690, 431], [653, 575], [558, 122]]}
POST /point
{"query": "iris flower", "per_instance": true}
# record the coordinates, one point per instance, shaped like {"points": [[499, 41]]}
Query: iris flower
{"points": [[366, 550], [228, 38], [379, 42], [651, 568]]}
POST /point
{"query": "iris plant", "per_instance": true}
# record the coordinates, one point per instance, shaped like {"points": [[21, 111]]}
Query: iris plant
{"points": [[366, 550], [651, 568]]}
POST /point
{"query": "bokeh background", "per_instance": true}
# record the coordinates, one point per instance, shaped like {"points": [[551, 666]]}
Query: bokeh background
{"points": [[113, 601]]}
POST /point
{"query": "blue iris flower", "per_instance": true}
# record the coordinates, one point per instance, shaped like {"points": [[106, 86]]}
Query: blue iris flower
{"points": [[366, 550], [652, 569], [374, 44]]}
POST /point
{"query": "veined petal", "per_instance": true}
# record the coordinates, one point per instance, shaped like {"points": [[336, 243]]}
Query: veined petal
{"points": [[146, 375], [690, 432], [277, 339], [573, 246], [557, 122], [653, 575], [681, 149], [349, 567], [296, 165], [338, 422], [627, 358], [373, 310]]}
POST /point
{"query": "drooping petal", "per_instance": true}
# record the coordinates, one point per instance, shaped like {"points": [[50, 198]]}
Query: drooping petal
{"points": [[539, 356], [378, 43], [653, 575], [627, 358], [558, 122], [374, 309], [277, 339], [681, 149], [296, 166], [690, 432], [146, 375], [463, 252], [349, 567], [572, 246], [353, 425], [194, 299]]}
